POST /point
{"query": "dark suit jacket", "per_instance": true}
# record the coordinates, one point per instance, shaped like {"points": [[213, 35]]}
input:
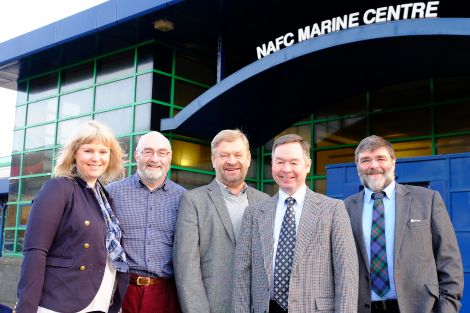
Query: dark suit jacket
{"points": [[427, 263], [65, 215]]}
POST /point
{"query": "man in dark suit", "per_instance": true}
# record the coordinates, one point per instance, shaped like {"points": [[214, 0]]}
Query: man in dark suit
{"points": [[207, 228], [409, 260]]}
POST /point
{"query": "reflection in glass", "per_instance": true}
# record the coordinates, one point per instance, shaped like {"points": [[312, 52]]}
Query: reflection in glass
{"points": [[76, 103], [411, 123], [161, 88], [9, 241], [159, 111], [323, 158], [125, 144], [76, 77], [451, 88], [31, 186], [191, 155], [190, 180], [40, 136], [457, 144], [18, 136], [145, 58], [21, 95], [412, 148], [19, 241], [186, 92], [10, 218], [24, 213], [42, 111], [120, 121], [270, 188], [401, 95], [449, 117], [352, 105], [142, 117], [114, 94], [15, 165], [144, 87], [37, 162], [194, 69], [320, 186], [303, 131], [20, 116], [43, 86], [67, 128], [340, 132], [114, 66], [13, 189]]}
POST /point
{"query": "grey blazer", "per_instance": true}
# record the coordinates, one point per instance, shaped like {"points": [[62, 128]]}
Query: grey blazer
{"points": [[427, 263], [324, 270], [203, 250]]}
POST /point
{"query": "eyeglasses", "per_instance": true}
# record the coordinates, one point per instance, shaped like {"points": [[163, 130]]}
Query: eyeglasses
{"points": [[148, 153]]}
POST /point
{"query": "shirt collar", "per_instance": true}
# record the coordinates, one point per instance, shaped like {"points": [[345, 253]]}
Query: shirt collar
{"points": [[389, 191], [299, 196], [227, 189], [140, 184]]}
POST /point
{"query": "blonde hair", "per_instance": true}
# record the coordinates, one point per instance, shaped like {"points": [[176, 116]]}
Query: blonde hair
{"points": [[89, 132], [228, 135]]}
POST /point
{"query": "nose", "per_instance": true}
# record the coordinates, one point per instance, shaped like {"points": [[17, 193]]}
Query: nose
{"points": [[231, 159]]}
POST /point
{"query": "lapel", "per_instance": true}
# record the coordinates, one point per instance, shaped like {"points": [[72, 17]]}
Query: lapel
{"points": [[402, 211], [266, 229], [356, 207], [311, 212], [216, 195]]}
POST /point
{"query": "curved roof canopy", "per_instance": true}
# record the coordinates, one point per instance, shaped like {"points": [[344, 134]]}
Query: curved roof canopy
{"points": [[274, 92]]}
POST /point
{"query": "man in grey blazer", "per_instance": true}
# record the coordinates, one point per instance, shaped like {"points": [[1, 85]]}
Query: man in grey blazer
{"points": [[420, 265], [296, 250], [207, 228]]}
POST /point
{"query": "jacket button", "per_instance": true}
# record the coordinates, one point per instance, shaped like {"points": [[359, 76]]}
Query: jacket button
{"points": [[82, 268], [366, 306], [86, 245], [86, 223]]}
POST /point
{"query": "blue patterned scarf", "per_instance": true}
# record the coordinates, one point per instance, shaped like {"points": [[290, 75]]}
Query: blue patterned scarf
{"points": [[113, 236]]}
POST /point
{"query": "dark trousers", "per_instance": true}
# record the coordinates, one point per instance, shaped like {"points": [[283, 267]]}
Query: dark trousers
{"points": [[387, 306], [274, 307]]}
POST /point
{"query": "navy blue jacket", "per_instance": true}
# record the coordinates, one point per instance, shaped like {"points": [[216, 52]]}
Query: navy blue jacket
{"points": [[64, 250]]}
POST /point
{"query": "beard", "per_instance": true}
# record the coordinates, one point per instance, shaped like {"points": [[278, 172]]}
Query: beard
{"points": [[148, 174], [378, 183]]}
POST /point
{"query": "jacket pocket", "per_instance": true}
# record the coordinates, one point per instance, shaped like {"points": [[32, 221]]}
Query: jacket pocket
{"points": [[323, 304], [58, 262], [433, 290]]}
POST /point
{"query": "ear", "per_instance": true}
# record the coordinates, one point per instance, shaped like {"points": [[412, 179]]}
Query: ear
{"points": [[213, 161], [308, 165]]}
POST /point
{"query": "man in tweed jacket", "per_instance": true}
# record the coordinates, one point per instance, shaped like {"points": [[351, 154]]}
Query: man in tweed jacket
{"points": [[324, 271]]}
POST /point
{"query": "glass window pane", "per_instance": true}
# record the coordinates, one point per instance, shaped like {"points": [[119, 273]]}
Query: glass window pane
{"points": [[115, 66], [37, 162], [67, 128], [114, 94], [186, 92], [40, 136], [159, 111], [402, 95], [9, 241], [161, 88], [451, 88], [77, 77], [19, 241], [268, 167], [144, 87], [453, 144], [13, 190], [76, 103], [24, 213], [163, 59], [31, 186], [411, 123], [20, 116], [190, 180], [303, 131], [323, 158], [125, 144], [412, 148], [10, 218], [355, 104], [270, 188], [253, 169], [145, 58], [15, 165], [42, 111], [43, 86], [18, 140], [194, 69], [191, 155], [320, 186], [340, 132], [120, 121], [21, 95], [142, 117], [449, 117]]}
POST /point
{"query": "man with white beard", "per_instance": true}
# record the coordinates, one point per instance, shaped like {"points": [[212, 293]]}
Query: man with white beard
{"points": [[409, 259], [147, 206]]}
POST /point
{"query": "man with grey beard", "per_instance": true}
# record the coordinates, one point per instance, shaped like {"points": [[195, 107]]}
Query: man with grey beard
{"points": [[147, 206], [409, 259]]}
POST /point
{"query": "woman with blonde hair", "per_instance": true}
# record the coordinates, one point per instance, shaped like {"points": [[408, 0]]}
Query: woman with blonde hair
{"points": [[73, 259]]}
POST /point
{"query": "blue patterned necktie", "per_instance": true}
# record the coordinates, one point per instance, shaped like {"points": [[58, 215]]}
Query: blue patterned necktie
{"points": [[285, 255], [380, 282]]}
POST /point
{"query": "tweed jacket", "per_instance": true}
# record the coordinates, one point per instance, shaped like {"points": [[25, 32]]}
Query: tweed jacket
{"points": [[203, 249], [427, 263], [324, 270], [58, 272]]}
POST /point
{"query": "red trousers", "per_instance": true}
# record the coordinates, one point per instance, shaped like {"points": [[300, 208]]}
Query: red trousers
{"points": [[161, 298]]}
